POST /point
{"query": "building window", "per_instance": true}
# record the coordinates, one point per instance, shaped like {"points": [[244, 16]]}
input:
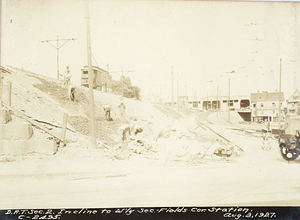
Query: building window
{"points": [[254, 105], [261, 104]]}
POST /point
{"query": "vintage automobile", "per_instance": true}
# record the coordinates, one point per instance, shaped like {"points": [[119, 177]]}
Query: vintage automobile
{"points": [[289, 139]]}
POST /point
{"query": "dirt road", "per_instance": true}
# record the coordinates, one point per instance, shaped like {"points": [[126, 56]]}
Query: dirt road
{"points": [[257, 178]]}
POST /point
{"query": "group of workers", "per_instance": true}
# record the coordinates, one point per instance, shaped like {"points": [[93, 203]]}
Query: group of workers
{"points": [[71, 94], [107, 110]]}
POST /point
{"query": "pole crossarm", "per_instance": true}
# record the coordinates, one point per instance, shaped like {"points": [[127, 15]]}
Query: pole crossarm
{"points": [[48, 41], [57, 47]]}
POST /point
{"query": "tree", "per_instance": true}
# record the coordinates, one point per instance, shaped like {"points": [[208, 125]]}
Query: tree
{"points": [[125, 88]]}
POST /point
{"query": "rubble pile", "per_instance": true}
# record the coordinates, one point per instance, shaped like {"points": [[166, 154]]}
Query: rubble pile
{"points": [[171, 143]]}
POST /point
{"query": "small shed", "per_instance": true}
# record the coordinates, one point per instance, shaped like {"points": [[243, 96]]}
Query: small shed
{"points": [[101, 79]]}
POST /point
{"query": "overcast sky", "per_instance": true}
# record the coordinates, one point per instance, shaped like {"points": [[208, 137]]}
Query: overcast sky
{"points": [[203, 40]]}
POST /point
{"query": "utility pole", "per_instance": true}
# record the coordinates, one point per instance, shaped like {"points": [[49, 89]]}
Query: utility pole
{"points": [[229, 100], [279, 113], [220, 99], [178, 96], [122, 77], [217, 100], [57, 47], [89, 59], [186, 99], [172, 97], [207, 102]]}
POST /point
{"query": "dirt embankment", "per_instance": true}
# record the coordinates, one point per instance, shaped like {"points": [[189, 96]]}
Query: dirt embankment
{"points": [[158, 139], [79, 119]]}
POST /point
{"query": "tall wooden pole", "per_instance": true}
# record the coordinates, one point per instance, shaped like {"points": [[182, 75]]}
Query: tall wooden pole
{"points": [[178, 97], [207, 101], [279, 113], [122, 82], [172, 97], [186, 99], [91, 94], [57, 57], [221, 101], [229, 100], [217, 100]]}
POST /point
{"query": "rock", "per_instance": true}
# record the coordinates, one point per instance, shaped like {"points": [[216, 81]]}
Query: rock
{"points": [[5, 116]]}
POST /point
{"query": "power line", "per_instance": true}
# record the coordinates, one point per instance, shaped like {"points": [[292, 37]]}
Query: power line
{"points": [[122, 77], [57, 47]]}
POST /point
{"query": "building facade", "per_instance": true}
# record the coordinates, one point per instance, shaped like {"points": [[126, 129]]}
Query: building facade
{"points": [[293, 103], [265, 106]]}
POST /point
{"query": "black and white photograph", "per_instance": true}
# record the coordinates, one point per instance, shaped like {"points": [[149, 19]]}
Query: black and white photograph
{"points": [[130, 109]]}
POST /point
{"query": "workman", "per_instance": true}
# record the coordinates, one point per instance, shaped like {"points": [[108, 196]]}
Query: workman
{"points": [[107, 110], [124, 130], [71, 92], [135, 127], [122, 108], [67, 77]]}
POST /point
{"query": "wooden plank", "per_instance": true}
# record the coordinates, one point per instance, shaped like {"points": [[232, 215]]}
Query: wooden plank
{"points": [[48, 123], [33, 122]]}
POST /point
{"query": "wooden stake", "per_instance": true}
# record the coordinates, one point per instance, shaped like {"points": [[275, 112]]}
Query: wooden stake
{"points": [[9, 93], [64, 127]]}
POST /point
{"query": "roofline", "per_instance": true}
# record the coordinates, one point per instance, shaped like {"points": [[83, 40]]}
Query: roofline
{"points": [[292, 95], [95, 67]]}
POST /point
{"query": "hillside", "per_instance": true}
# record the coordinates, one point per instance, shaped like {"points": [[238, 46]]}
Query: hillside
{"points": [[46, 100]]}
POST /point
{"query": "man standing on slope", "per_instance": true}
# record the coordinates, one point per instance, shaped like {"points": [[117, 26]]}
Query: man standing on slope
{"points": [[67, 77]]}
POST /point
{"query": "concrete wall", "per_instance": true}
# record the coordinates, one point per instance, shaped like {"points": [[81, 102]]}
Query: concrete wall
{"points": [[15, 131], [23, 147]]}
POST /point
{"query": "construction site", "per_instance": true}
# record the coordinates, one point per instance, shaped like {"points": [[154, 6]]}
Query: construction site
{"points": [[40, 118], [140, 159]]}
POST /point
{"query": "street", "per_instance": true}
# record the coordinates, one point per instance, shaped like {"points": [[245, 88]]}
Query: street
{"points": [[258, 178]]}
